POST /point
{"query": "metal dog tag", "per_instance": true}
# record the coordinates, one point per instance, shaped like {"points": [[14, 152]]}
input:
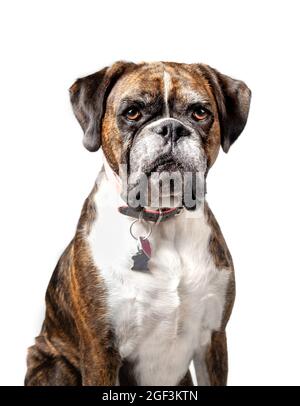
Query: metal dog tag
{"points": [[141, 258]]}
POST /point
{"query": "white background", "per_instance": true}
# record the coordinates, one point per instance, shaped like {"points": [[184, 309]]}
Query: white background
{"points": [[254, 190]]}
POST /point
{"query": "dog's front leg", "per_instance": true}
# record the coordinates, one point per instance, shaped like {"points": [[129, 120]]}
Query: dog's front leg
{"points": [[99, 360], [211, 363], [99, 366]]}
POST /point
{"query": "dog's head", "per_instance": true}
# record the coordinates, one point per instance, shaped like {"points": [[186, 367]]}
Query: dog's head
{"points": [[160, 117]]}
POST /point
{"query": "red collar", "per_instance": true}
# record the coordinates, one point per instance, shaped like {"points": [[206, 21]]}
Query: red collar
{"points": [[151, 215]]}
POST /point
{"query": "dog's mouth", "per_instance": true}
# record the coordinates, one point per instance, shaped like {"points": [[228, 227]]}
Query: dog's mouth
{"points": [[168, 166], [167, 181], [164, 164]]}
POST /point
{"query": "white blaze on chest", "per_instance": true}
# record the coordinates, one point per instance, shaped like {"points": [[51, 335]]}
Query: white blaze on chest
{"points": [[163, 316]]}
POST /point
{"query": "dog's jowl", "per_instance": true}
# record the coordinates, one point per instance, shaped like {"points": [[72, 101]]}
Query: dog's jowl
{"points": [[146, 286]]}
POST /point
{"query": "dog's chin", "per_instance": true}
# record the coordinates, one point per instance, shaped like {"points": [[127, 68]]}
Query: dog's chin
{"points": [[166, 200], [164, 183], [153, 196]]}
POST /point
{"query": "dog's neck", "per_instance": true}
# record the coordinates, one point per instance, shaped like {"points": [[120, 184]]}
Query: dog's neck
{"points": [[112, 177]]}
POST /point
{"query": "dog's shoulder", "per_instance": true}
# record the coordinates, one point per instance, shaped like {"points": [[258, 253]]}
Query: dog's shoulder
{"points": [[217, 244], [223, 260]]}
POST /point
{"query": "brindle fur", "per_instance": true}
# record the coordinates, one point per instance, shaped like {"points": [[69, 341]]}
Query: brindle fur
{"points": [[76, 345], [216, 356]]}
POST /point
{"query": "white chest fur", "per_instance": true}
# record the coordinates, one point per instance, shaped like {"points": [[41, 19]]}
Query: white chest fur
{"points": [[164, 317]]}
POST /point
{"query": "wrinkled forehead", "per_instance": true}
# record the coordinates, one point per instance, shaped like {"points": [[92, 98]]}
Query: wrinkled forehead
{"points": [[167, 81]]}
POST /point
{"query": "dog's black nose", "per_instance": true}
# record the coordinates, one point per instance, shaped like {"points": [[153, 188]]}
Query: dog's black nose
{"points": [[171, 129]]}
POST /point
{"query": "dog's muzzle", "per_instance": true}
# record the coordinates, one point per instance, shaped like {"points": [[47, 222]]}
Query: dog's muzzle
{"points": [[164, 158]]}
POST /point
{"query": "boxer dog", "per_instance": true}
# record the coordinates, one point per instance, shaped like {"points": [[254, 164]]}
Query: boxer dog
{"points": [[145, 288]]}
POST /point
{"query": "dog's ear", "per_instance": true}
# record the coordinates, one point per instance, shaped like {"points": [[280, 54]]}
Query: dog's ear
{"points": [[233, 101], [88, 97]]}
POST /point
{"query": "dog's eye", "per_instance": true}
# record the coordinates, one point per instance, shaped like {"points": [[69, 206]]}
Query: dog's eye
{"points": [[133, 114], [199, 114]]}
